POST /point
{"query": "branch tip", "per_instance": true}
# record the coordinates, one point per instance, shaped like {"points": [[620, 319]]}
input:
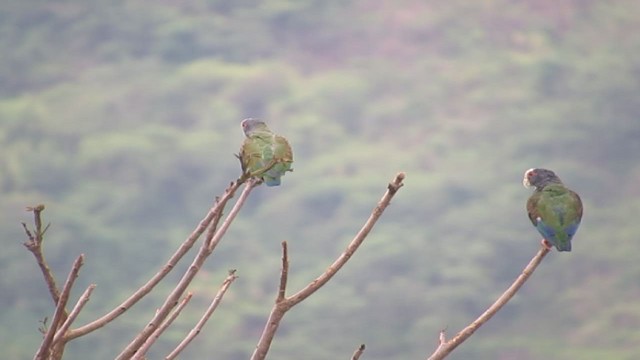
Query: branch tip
{"points": [[358, 352], [442, 338], [396, 184], [284, 273], [446, 347], [38, 208]]}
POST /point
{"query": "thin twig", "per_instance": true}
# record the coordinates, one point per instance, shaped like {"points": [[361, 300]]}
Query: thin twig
{"points": [[283, 304], [447, 347], [358, 352], [59, 314], [84, 298], [171, 301], [212, 216], [205, 317], [156, 334]]}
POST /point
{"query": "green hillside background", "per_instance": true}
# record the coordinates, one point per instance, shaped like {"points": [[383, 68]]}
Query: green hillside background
{"points": [[122, 117]]}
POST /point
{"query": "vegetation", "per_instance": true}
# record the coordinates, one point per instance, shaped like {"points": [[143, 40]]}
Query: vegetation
{"points": [[123, 118]]}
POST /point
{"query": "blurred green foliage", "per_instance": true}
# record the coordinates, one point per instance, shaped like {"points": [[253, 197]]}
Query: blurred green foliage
{"points": [[123, 118]]}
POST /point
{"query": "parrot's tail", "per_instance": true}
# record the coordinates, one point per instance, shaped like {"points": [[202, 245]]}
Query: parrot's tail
{"points": [[564, 245], [271, 181]]}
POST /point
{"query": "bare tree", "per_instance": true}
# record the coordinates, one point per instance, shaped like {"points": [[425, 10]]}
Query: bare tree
{"points": [[59, 331]]}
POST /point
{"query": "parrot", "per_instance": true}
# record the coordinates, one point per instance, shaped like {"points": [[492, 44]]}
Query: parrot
{"points": [[554, 210], [264, 154]]}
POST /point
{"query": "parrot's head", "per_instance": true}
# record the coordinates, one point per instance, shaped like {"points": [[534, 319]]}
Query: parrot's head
{"points": [[250, 125], [539, 178]]}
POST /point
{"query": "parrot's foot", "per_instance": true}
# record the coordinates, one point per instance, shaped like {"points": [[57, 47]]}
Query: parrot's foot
{"points": [[546, 244]]}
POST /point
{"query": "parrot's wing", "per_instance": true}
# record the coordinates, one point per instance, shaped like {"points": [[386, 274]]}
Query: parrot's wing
{"points": [[281, 149], [251, 154], [280, 158], [556, 212]]}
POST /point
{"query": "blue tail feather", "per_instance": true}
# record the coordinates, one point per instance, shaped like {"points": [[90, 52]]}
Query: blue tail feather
{"points": [[549, 234], [271, 181]]}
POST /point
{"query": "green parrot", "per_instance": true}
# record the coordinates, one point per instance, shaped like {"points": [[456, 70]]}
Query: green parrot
{"points": [[553, 209], [264, 154]]}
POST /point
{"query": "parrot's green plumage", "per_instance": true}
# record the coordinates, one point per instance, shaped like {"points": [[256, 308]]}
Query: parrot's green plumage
{"points": [[264, 154], [553, 209]]}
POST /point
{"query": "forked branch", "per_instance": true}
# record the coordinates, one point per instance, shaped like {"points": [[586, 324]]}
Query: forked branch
{"points": [[130, 351], [34, 244], [165, 325], [283, 303], [82, 301], [446, 347], [59, 316], [211, 218], [205, 317]]}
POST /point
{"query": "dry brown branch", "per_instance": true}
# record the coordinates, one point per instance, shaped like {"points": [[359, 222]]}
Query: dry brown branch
{"points": [[358, 352], [205, 317], [446, 347], [214, 235], [213, 215], [219, 233], [59, 315], [156, 334], [34, 244], [171, 301], [84, 298], [283, 303]]}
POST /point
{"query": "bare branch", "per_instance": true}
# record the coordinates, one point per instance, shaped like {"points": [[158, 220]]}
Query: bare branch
{"points": [[213, 215], [34, 245], [156, 334], [358, 352], [277, 312], [60, 313], [215, 239], [203, 320], [284, 273], [283, 304], [269, 331], [447, 347], [171, 301], [84, 298], [392, 188]]}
